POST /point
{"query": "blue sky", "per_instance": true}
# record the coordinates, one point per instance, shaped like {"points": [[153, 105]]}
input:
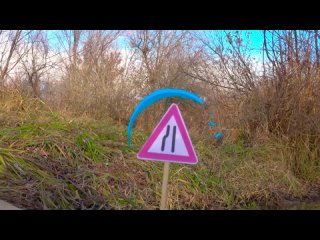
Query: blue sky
{"points": [[256, 40]]}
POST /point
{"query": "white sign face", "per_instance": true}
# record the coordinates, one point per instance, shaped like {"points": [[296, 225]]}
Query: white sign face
{"points": [[169, 141]]}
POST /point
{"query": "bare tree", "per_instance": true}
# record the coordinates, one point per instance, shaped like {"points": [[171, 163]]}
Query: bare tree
{"points": [[92, 69], [37, 61], [226, 61], [316, 38], [9, 40], [159, 53]]}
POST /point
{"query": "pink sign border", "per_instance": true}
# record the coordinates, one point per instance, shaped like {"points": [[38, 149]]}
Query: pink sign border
{"points": [[145, 155]]}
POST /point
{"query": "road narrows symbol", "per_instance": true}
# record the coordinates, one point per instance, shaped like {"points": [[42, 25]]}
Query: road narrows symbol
{"points": [[173, 138], [164, 138]]}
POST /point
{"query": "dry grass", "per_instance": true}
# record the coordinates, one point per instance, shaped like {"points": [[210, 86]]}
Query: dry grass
{"points": [[52, 162]]}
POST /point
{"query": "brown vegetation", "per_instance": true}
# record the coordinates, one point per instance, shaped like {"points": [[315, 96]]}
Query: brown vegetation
{"points": [[273, 104]]}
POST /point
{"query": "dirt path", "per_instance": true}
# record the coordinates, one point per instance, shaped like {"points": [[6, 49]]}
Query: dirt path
{"points": [[7, 206], [309, 202]]}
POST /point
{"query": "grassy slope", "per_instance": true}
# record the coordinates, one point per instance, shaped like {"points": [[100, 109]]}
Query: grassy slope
{"points": [[51, 162]]}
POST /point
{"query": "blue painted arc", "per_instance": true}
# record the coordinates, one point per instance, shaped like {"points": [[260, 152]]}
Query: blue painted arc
{"points": [[157, 96]]}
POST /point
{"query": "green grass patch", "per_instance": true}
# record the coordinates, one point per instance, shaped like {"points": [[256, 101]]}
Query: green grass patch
{"points": [[52, 162]]}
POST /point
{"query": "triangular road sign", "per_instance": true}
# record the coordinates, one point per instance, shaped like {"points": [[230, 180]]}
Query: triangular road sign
{"points": [[170, 140]]}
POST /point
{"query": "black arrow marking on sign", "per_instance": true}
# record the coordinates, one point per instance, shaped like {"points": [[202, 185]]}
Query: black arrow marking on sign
{"points": [[164, 138], [173, 139]]}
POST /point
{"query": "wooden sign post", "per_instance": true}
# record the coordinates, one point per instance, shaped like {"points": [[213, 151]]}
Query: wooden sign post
{"points": [[164, 191]]}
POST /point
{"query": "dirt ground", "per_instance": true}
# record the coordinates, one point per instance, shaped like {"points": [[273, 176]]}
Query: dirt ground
{"points": [[7, 206]]}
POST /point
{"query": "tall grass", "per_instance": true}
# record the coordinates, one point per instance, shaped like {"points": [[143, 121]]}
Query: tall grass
{"points": [[50, 161]]}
